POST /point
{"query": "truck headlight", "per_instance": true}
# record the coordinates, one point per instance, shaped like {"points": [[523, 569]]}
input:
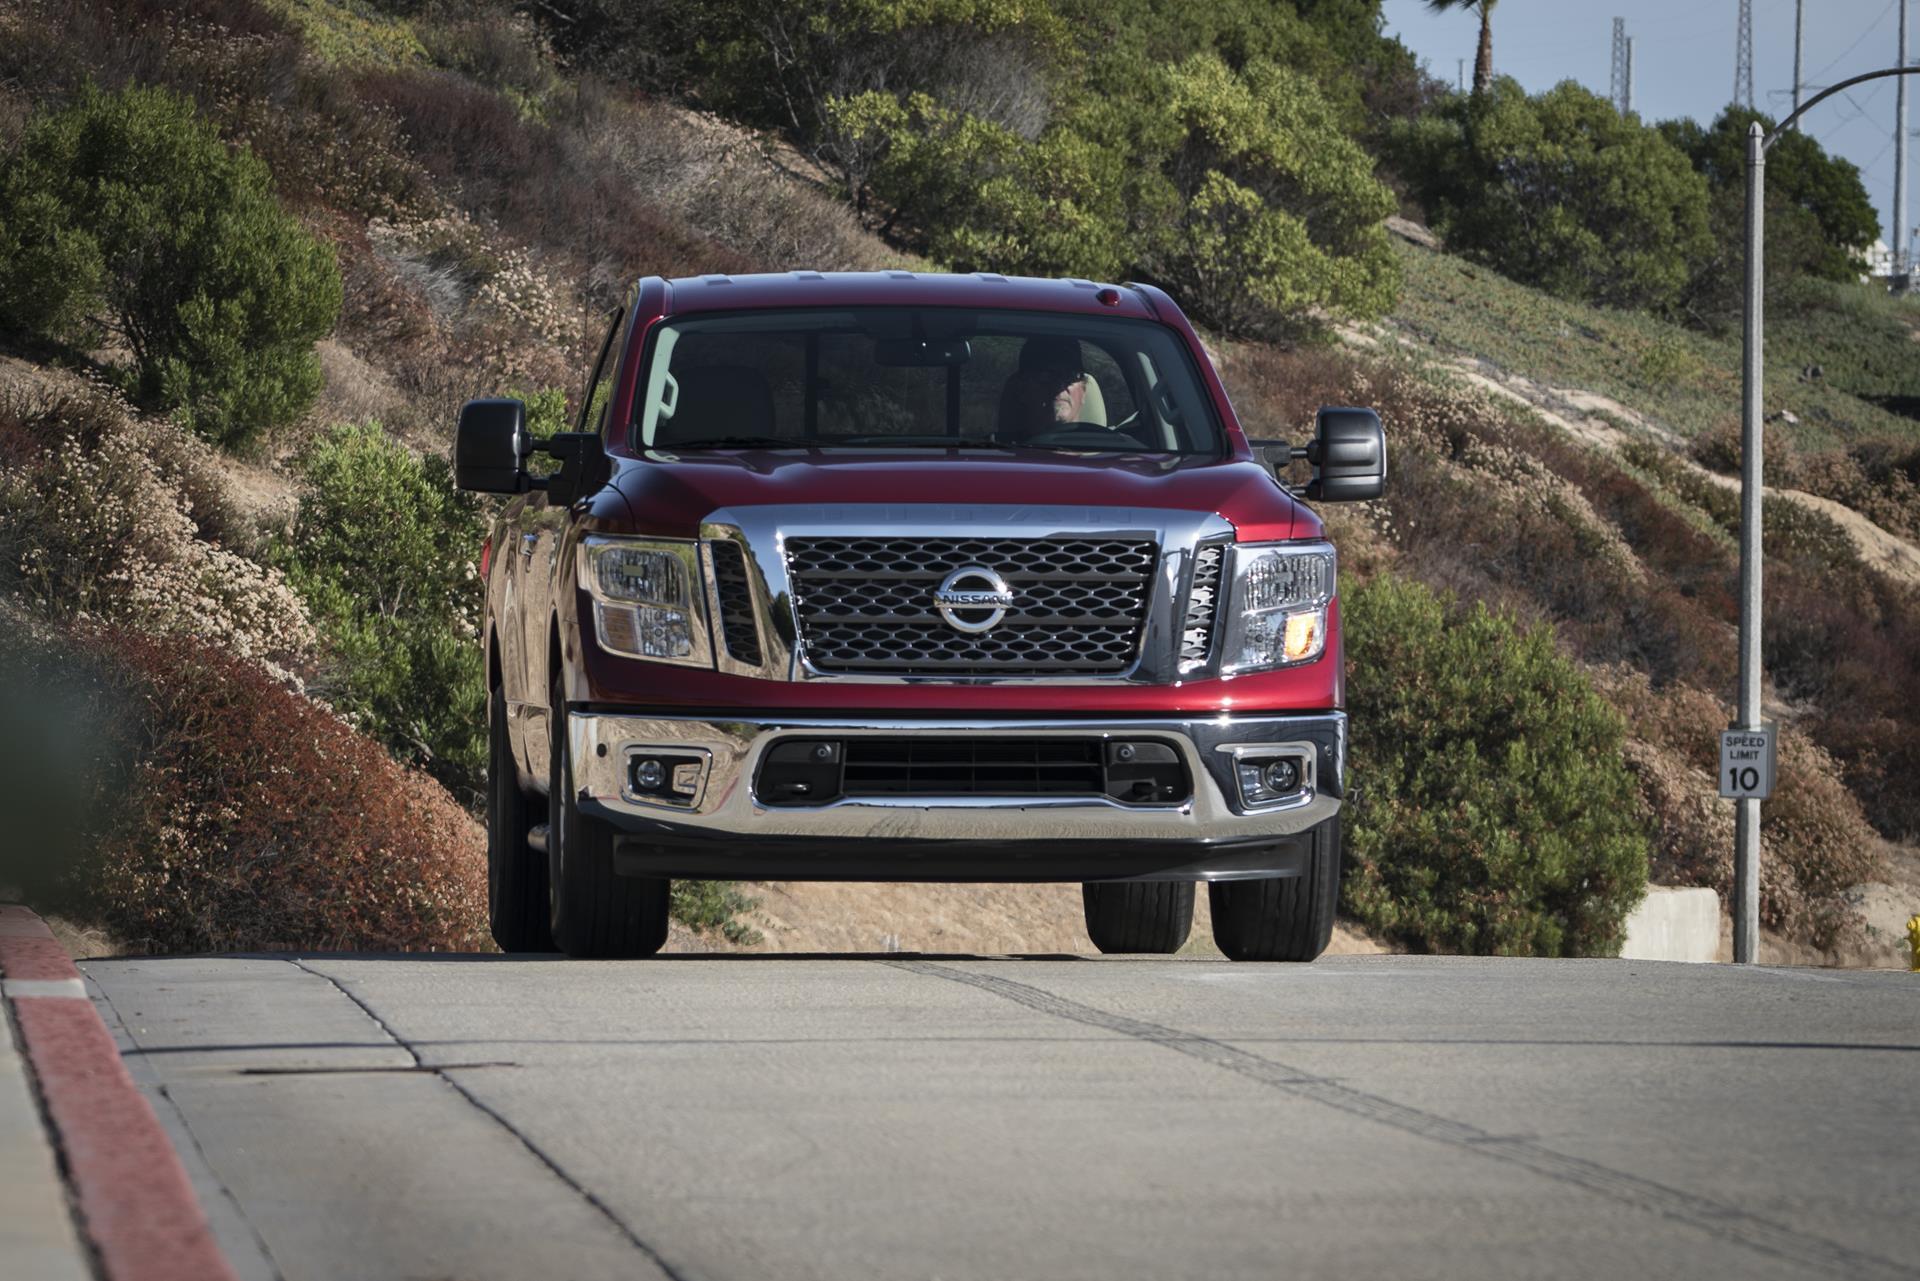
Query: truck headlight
{"points": [[1276, 605], [649, 600]]}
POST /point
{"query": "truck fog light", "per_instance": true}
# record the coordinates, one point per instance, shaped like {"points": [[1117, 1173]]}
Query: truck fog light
{"points": [[1268, 780], [662, 776]]}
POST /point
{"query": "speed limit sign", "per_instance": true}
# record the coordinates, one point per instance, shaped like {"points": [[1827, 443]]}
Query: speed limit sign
{"points": [[1746, 763]]}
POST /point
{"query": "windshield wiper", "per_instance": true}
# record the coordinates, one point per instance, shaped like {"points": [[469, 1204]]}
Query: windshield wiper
{"points": [[741, 442]]}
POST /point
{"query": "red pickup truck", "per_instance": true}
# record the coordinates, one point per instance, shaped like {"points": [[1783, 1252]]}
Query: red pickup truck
{"points": [[899, 576]]}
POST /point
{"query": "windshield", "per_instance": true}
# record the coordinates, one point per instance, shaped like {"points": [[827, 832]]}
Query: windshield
{"points": [[924, 378]]}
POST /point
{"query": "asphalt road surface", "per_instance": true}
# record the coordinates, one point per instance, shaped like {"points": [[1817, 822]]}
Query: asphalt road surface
{"points": [[950, 1117]]}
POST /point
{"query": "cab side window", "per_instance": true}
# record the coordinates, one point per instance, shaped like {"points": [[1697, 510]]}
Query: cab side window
{"points": [[598, 397]]}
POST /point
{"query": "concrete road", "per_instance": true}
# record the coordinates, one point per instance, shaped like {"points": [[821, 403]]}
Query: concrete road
{"points": [[947, 1117]]}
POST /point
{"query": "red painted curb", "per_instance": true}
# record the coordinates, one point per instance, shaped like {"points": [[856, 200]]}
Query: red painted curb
{"points": [[137, 1206]]}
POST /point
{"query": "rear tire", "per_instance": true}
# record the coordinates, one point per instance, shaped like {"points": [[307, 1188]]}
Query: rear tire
{"points": [[1138, 916], [595, 913], [516, 872], [1285, 918]]}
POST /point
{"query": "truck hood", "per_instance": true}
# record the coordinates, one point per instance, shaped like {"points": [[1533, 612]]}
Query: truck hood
{"points": [[670, 494]]}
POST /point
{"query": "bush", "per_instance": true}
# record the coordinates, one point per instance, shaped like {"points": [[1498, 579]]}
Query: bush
{"points": [[253, 820], [383, 551], [126, 213], [714, 907], [1560, 191], [1496, 814], [116, 518]]}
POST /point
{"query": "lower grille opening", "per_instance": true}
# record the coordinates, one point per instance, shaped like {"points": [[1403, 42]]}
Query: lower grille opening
{"points": [[819, 771]]}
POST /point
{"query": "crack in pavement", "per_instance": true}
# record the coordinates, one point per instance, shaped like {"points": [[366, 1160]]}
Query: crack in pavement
{"points": [[580, 1189], [1715, 1218]]}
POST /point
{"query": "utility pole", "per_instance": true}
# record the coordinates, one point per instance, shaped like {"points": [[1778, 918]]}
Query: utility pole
{"points": [[1463, 74], [1743, 57], [1901, 248], [1799, 49], [1629, 107]]}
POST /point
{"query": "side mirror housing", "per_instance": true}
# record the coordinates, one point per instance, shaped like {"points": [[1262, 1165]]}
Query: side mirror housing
{"points": [[1348, 455], [491, 446]]}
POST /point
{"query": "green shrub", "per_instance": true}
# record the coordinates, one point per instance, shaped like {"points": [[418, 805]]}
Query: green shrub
{"points": [[125, 213], [382, 551], [1496, 813], [1560, 191]]}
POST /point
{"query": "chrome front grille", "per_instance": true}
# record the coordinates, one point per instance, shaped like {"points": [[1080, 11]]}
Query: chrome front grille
{"points": [[866, 605]]}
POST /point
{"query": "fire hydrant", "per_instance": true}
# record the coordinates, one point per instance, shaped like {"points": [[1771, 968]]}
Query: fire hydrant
{"points": [[1913, 942]]}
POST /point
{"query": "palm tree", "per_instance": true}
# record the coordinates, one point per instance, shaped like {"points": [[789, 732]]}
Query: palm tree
{"points": [[1483, 62]]}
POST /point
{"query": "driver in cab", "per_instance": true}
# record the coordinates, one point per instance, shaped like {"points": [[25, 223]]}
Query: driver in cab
{"points": [[1049, 391]]}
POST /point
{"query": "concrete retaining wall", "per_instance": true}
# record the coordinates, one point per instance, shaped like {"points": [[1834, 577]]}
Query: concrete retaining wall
{"points": [[1674, 925]]}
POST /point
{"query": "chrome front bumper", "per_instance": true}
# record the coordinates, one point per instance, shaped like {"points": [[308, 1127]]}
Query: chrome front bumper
{"points": [[722, 828]]}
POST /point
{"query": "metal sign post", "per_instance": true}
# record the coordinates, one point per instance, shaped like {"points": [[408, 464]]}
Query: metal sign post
{"points": [[1746, 832]]}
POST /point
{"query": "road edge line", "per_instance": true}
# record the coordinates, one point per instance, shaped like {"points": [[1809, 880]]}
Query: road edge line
{"points": [[137, 1208]]}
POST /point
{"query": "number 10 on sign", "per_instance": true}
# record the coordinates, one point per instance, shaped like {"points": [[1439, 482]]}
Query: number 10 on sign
{"points": [[1746, 763]]}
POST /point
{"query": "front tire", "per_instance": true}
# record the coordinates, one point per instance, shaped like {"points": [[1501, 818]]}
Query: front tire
{"points": [[1284, 918], [1138, 916], [595, 912], [516, 872]]}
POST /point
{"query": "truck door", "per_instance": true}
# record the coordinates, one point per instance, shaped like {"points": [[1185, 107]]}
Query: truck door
{"points": [[542, 571]]}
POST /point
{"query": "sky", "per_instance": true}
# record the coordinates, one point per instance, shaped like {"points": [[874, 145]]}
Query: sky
{"points": [[1683, 63]]}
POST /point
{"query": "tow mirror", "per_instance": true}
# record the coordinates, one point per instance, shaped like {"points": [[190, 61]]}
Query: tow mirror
{"points": [[1348, 456], [491, 446]]}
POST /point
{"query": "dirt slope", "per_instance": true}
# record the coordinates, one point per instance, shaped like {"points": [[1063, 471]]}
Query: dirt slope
{"points": [[806, 916]]}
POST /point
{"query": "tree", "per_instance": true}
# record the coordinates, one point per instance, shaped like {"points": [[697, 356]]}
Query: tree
{"points": [[1237, 189], [126, 214], [1483, 59], [1820, 221], [1560, 191]]}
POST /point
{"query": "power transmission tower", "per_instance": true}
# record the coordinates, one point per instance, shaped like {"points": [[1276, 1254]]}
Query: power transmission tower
{"points": [[1743, 57], [1620, 87], [1629, 108], [1463, 74]]}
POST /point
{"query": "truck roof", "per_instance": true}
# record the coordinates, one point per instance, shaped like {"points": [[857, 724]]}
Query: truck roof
{"points": [[904, 288]]}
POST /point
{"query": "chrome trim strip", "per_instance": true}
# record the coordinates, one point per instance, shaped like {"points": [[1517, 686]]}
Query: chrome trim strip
{"points": [[717, 622], [727, 807], [764, 531]]}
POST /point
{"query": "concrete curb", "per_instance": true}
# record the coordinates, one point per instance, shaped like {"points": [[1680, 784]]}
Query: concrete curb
{"points": [[136, 1206]]}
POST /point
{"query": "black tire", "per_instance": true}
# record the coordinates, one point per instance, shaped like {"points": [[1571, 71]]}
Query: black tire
{"points": [[594, 912], [1138, 916], [1286, 918], [516, 872]]}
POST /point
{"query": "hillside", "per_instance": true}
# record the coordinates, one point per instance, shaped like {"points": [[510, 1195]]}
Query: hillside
{"points": [[487, 199]]}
